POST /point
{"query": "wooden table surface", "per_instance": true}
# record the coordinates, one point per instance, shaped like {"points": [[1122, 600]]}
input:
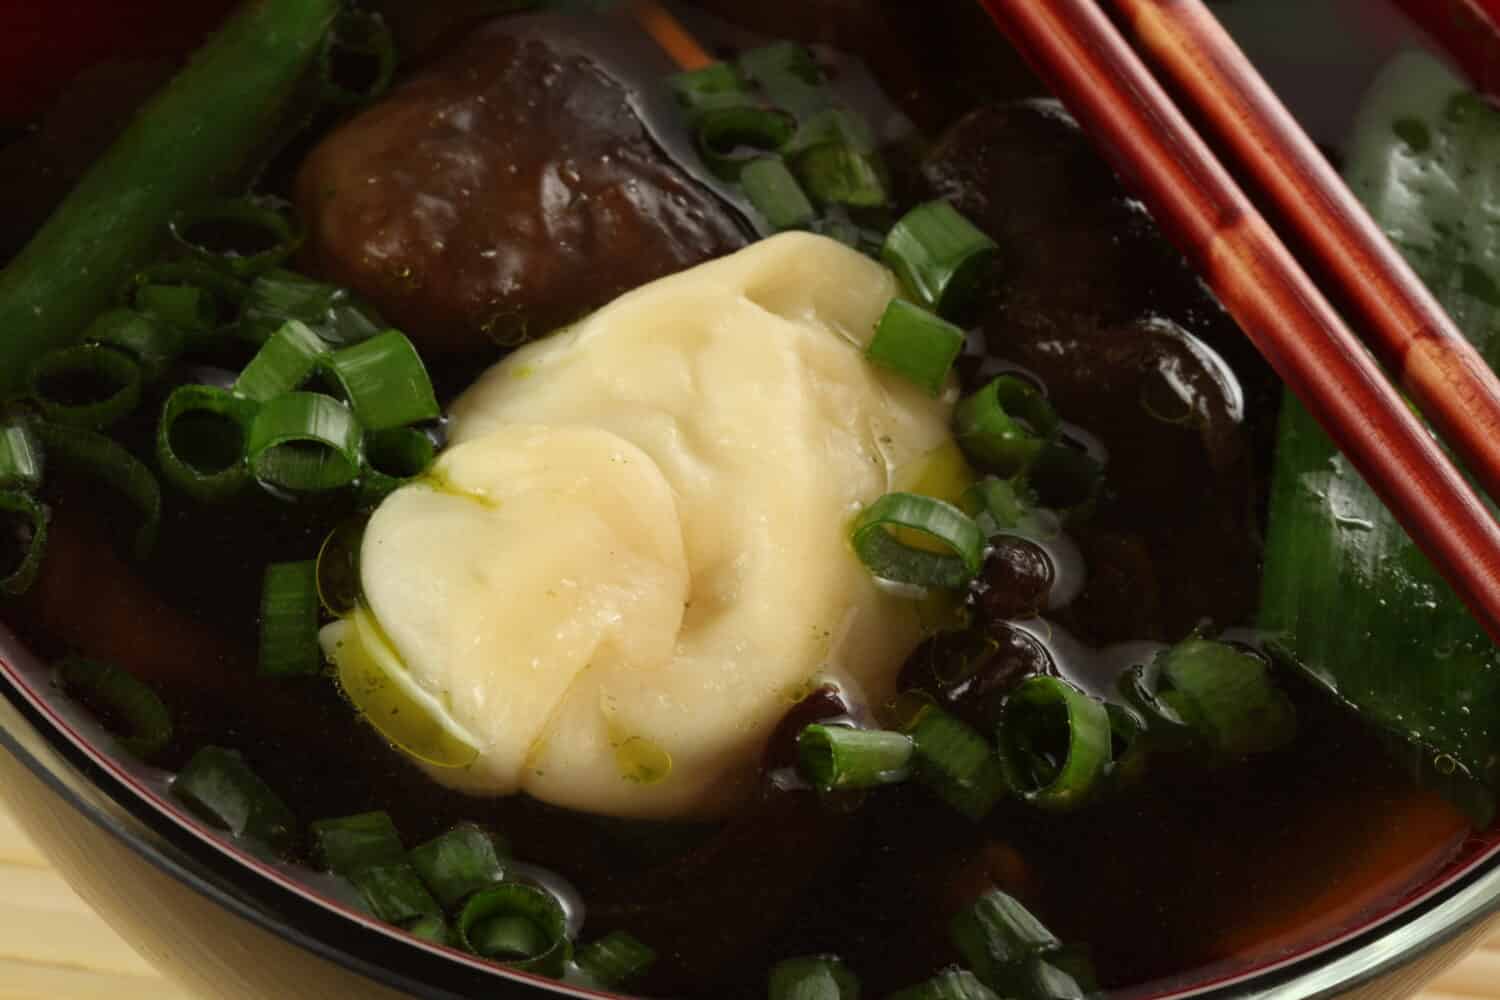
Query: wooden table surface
{"points": [[52, 947]]}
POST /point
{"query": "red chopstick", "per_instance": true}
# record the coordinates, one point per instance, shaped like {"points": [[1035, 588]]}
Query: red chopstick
{"points": [[1087, 62], [1445, 376]]}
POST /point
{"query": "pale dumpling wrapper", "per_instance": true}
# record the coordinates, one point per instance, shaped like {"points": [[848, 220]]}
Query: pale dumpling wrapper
{"points": [[634, 557]]}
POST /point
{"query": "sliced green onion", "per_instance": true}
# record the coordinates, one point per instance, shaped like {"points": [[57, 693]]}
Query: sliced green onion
{"points": [[24, 542], [1127, 746], [1164, 725], [153, 344], [345, 845], [1007, 507], [1228, 697], [893, 559], [385, 381], [200, 441], [289, 621], [280, 295], [841, 126], [1005, 424], [939, 255], [364, 39], [433, 929], [730, 137], [1043, 979], [615, 959], [87, 385], [996, 936], [305, 442], [283, 363], [950, 984], [244, 235], [832, 757], [460, 863], [955, 762], [129, 708], [394, 893], [1053, 743], [788, 74], [836, 173], [194, 310], [393, 457], [339, 587], [20, 456], [716, 85], [519, 925], [219, 786], [813, 977], [1065, 476], [89, 452], [916, 344], [776, 195]]}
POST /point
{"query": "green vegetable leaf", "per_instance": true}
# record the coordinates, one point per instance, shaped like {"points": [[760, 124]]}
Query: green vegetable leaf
{"points": [[1346, 592]]}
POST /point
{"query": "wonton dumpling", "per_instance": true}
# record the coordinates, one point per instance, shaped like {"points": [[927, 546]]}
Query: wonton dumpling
{"points": [[666, 564]]}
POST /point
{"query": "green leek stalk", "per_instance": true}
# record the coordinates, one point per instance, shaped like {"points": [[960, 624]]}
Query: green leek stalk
{"points": [[1345, 593], [191, 138]]}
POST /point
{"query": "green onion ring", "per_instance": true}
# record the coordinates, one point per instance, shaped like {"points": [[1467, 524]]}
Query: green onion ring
{"points": [[514, 902], [289, 621], [121, 697], [282, 364], [360, 33], [219, 786], [153, 344], [832, 757], [776, 195], [916, 344], [28, 514], [21, 461], [951, 984], [204, 458], [305, 442], [347, 844], [836, 173], [940, 255], [996, 935], [394, 893], [393, 457], [812, 977], [89, 452], [730, 137], [891, 559], [1053, 743], [615, 959], [265, 214], [461, 862], [1005, 424], [384, 381], [953, 759], [95, 363]]}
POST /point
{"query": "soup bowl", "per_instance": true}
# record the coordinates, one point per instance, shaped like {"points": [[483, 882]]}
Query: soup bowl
{"points": [[225, 920]]}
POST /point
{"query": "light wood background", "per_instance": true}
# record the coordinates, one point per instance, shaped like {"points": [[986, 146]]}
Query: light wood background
{"points": [[52, 947]]}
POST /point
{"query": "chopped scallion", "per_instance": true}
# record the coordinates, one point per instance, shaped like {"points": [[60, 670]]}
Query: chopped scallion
{"points": [[716, 85], [892, 559], [950, 984], [730, 137], [1228, 697], [91, 453], [23, 521], [358, 60], [776, 195], [283, 362], [280, 295], [813, 977], [384, 381], [955, 762], [788, 74], [153, 344], [615, 959], [346, 845], [939, 255], [305, 442], [87, 385], [916, 344], [1005, 424], [1006, 506], [996, 935], [836, 173], [200, 441], [843, 757], [433, 929], [520, 925], [289, 620], [124, 702], [394, 893], [392, 457], [459, 863], [219, 786], [244, 235], [20, 455], [186, 307], [1053, 743]]}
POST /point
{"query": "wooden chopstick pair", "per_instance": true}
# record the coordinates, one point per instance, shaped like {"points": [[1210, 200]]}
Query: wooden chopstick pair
{"points": [[1107, 85]]}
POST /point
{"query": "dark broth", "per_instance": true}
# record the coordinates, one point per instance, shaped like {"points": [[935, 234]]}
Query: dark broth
{"points": [[1193, 872]]}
